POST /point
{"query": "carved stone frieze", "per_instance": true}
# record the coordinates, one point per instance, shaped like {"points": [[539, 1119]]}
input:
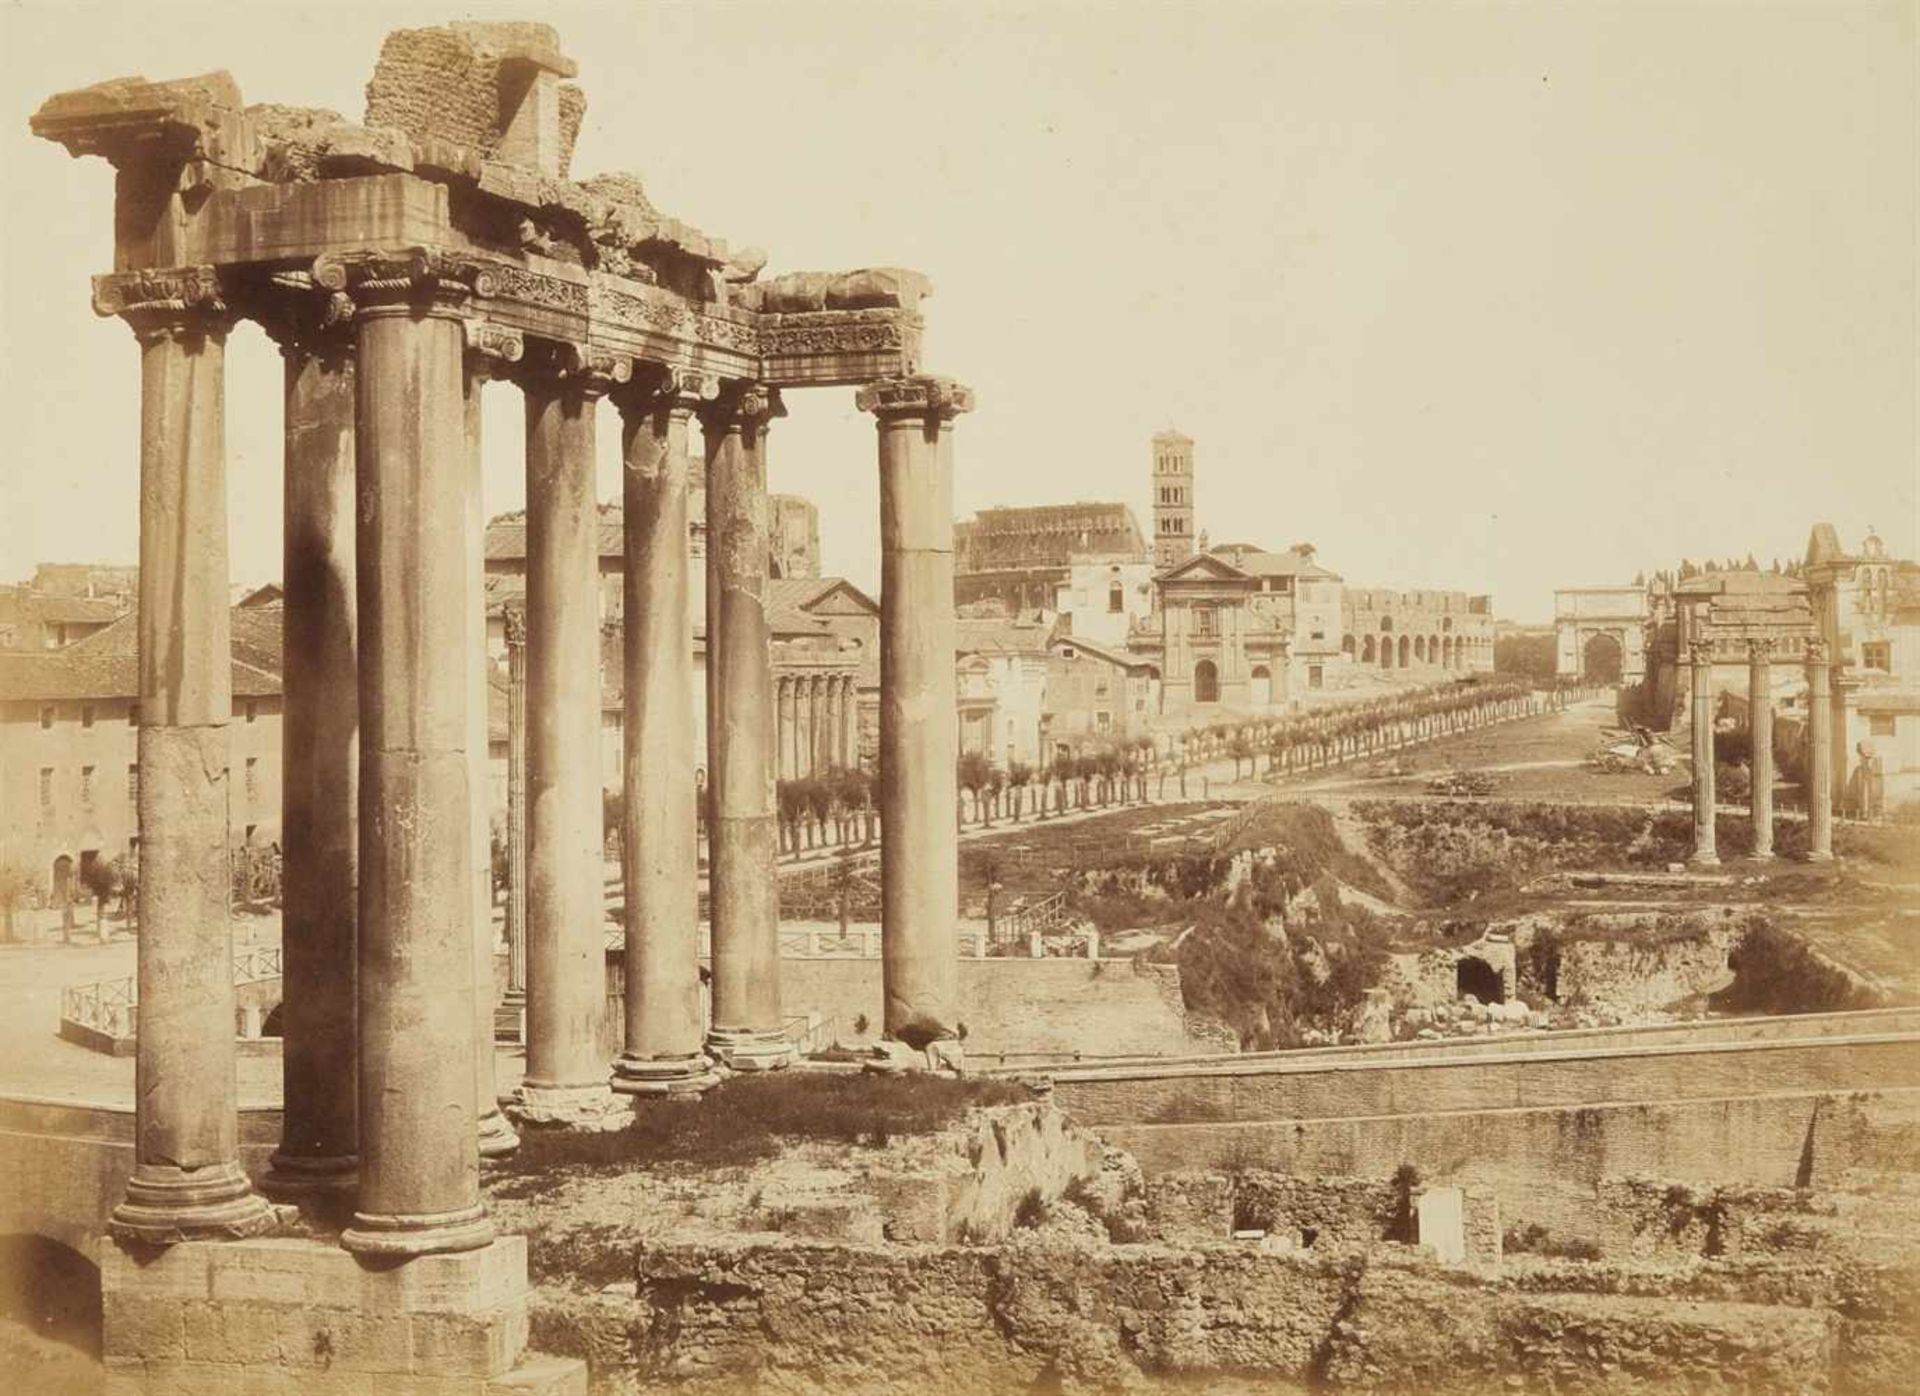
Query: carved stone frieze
{"points": [[843, 332], [535, 288]]}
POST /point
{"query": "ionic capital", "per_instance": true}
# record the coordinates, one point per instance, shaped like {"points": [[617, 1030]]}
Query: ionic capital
{"points": [[300, 317], [583, 370], [655, 386], [923, 396], [166, 302], [743, 406], [493, 351], [418, 280]]}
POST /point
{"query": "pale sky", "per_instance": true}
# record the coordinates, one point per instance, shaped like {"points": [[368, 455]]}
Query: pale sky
{"points": [[1491, 298]]}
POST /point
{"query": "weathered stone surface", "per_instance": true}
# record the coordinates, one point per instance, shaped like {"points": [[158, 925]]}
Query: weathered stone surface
{"points": [[468, 83]]}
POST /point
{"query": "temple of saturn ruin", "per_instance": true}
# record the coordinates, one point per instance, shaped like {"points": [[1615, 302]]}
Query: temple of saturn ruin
{"points": [[403, 266], [1720, 623]]}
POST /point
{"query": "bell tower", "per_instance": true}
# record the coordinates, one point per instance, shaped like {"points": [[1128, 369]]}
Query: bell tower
{"points": [[1172, 499]]}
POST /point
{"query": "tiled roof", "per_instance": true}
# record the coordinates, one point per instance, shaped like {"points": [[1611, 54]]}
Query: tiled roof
{"points": [[27, 604], [996, 636], [1265, 564], [106, 663]]}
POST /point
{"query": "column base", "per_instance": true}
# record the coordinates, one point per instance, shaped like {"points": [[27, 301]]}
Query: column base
{"points": [[593, 1108], [750, 1049], [1817, 856], [302, 1315], [402, 1237], [1703, 860], [165, 1206], [292, 1178], [497, 1139], [679, 1076]]}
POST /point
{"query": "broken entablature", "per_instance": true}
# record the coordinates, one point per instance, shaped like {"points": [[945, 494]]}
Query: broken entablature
{"points": [[460, 175]]}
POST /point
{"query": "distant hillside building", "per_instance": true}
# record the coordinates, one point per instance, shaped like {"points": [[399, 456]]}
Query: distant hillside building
{"points": [[35, 620], [1022, 557]]}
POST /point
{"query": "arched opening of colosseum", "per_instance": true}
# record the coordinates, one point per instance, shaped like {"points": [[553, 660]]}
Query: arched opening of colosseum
{"points": [[1366, 651], [1346, 646], [1420, 648], [1433, 649], [1473, 975], [1602, 658], [1446, 651], [1206, 682], [1406, 652]]}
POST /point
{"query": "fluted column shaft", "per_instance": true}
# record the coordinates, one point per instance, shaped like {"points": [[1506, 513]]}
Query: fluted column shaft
{"points": [[741, 834], [809, 722], [1819, 783], [1705, 851], [566, 938], [663, 1028], [419, 1150], [1760, 730], [320, 775], [919, 860], [497, 1138], [786, 701], [187, 1181]]}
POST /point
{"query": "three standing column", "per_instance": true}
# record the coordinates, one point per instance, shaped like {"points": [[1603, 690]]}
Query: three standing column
{"points": [[1760, 730], [566, 1079], [662, 1047], [1819, 782], [1705, 853], [187, 1180], [741, 833], [919, 860]]}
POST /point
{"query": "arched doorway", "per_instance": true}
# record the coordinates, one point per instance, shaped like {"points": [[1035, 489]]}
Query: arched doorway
{"points": [[1346, 646], [1602, 658], [1433, 649], [63, 889], [1262, 686], [1206, 682], [1446, 651], [1406, 651], [53, 1290], [1420, 648], [1366, 651], [1473, 975]]}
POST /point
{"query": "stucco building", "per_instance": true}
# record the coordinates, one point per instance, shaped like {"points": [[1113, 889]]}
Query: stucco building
{"points": [[69, 738]]}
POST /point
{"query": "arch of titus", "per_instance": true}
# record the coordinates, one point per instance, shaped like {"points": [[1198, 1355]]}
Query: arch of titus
{"points": [[402, 266]]}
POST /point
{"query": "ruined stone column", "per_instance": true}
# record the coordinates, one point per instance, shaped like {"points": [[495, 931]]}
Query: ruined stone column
{"points": [[486, 348], [786, 701], [566, 1080], [662, 1045], [514, 622], [809, 708], [1760, 728], [1819, 782], [742, 832], [822, 724], [1704, 854], [187, 1180], [319, 762], [919, 857], [419, 1127], [853, 726]]}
